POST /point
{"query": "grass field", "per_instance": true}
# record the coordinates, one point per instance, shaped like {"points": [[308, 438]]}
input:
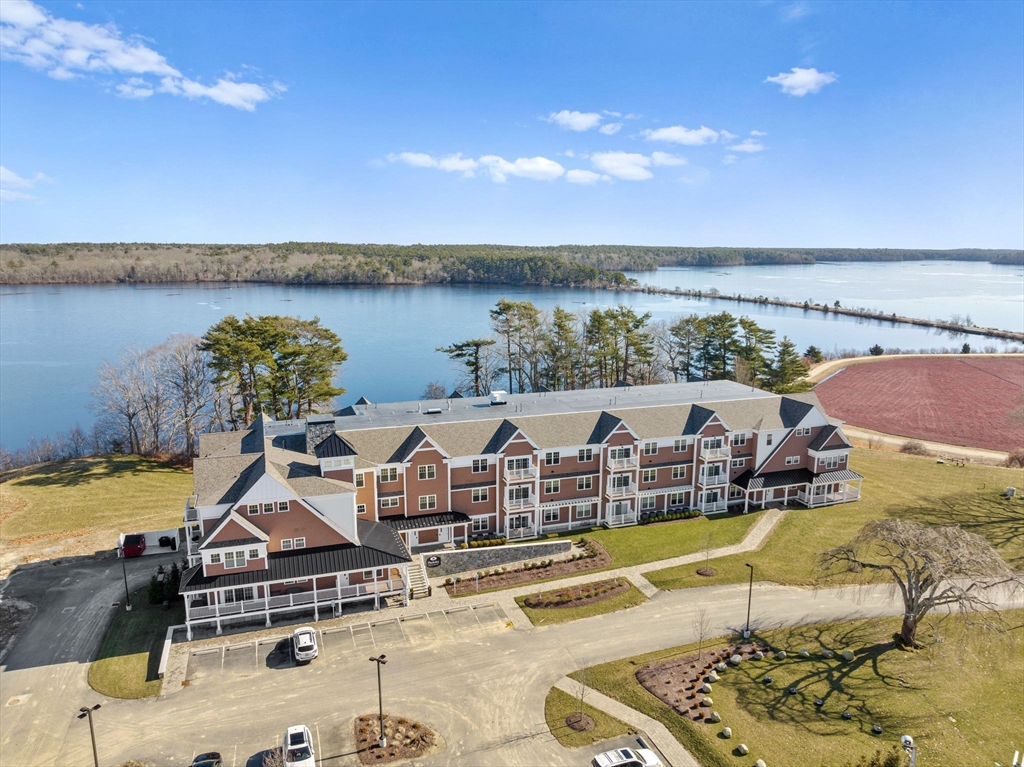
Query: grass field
{"points": [[951, 696], [895, 485], [126, 666], [558, 705], [80, 505], [547, 616]]}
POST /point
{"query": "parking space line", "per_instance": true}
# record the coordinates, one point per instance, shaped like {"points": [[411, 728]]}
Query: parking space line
{"points": [[318, 749], [222, 660], [478, 623], [450, 626]]}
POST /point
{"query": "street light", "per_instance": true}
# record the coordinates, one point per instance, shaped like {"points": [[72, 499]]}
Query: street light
{"points": [[87, 712], [908, 745], [379, 660], [124, 571], [750, 594]]}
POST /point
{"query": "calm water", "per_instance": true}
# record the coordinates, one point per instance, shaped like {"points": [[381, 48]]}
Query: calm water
{"points": [[53, 338]]}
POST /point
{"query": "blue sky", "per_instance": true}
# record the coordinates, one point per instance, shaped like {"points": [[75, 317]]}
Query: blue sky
{"points": [[746, 124]]}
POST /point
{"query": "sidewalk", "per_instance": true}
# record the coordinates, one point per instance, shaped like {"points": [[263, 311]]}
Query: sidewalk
{"points": [[670, 748]]}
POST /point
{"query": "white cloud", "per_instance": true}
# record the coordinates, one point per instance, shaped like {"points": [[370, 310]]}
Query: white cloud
{"points": [[795, 11], [664, 159], [65, 49], [537, 168], [758, 133], [677, 134], [610, 129], [628, 166], [453, 163], [584, 177], [747, 145], [612, 114], [13, 186], [576, 121], [569, 153], [800, 82], [726, 135], [729, 159]]}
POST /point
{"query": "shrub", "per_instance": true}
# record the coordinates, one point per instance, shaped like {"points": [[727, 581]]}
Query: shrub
{"points": [[463, 545], [1015, 459], [448, 581], [474, 544], [913, 447], [876, 351], [156, 591]]}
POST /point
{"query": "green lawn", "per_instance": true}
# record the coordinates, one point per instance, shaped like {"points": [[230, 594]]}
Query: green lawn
{"points": [[103, 493], [955, 697], [558, 705], [547, 616], [126, 666], [895, 485]]}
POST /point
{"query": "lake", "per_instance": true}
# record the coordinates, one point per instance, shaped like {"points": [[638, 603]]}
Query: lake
{"points": [[52, 338]]}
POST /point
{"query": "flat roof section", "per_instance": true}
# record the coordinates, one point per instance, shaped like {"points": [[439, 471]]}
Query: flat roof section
{"points": [[415, 412]]}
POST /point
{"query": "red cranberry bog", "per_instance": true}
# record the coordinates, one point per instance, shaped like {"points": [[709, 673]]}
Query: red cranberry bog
{"points": [[972, 402]]}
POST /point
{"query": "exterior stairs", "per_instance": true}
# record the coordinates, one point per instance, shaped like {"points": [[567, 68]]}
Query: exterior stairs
{"points": [[418, 584]]}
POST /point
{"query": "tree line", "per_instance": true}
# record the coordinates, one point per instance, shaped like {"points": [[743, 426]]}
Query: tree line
{"points": [[533, 350]]}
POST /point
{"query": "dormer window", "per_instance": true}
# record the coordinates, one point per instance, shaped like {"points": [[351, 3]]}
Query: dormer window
{"points": [[389, 474], [268, 508], [282, 506], [254, 509]]}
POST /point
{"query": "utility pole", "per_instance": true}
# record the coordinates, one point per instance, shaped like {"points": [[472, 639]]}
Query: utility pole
{"points": [[750, 594], [87, 712], [379, 660]]}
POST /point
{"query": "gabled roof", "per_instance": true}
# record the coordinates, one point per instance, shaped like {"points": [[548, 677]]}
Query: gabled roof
{"points": [[334, 447], [697, 419], [363, 401], [255, 534], [506, 430], [792, 411], [456, 394], [606, 424], [819, 442], [408, 447]]}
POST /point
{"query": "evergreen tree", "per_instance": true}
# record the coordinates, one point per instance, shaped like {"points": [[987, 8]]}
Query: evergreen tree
{"points": [[788, 366], [472, 355]]}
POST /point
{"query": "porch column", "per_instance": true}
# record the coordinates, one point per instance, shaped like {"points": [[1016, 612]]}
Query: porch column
{"points": [[746, 502], [316, 607], [376, 591], [266, 602]]}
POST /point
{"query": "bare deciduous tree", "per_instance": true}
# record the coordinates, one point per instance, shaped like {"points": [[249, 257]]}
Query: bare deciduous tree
{"points": [[434, 390], [702, 628], [932, 567], [186, 372]]}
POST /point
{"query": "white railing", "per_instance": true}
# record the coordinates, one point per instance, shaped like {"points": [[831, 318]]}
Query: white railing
{"points": [[623, 463], [712, 453], [303, 599], [848, 494], [622, 490], [710, 508], [527, 473], [516, 533], [720, 478], [618, 518], [518, 503]]}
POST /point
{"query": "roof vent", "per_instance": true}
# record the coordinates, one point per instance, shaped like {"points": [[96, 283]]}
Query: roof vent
{"points": [[433, 411], [499, 398]]}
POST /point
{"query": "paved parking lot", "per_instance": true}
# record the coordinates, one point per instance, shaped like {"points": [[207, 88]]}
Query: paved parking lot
{"points": [[240, 660]]}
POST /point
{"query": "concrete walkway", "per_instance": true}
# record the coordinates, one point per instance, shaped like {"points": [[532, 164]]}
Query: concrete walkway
{"points": [[676, 755]]}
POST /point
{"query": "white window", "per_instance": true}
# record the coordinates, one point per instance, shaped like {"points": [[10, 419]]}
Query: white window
{"points": [[551, 515], [583, 511], [737, 463], [389, 474], [519, 493], [678, 472], [586, 455], [427, 471], [480, 494], [735, 492], [618, 453], [360, 479], [234, 559], [254, 509], [517, 464], [428, 502], [360, 508], [553, 458], [389, 503], [215, 559], [254, 553], [584, 483], [300, 543], [244, 594], [286, 544], [677, 499], [480, 524], [620, 480], [650, 448], [369, 575], [804, 432], [650, 475], [715, 443], [552, 486], [282, 506], [648, 503], [268, 508], [679, 446], [738, 440], [792, 460], [479, 465], [768, 439], [832, 462]]}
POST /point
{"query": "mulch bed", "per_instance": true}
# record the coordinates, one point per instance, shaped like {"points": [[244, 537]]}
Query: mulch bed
{"points": [[580, 722], [676, 681], [518, 575], [406, 739], [578, 596]]}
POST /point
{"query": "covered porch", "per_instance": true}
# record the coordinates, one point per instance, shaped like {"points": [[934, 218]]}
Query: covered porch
{"points": [[427, 532], [830, 488]]}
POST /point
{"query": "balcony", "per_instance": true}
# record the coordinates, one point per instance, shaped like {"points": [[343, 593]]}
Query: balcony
{"points": [[620, 515], [517, 475], [191, 512], [715, 453], [710, 507], [616, 491], [848, 493], [616, 464], [713, 480], [520, 533], [518, 503]]}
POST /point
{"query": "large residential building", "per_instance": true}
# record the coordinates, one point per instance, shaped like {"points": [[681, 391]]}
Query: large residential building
{"points": [[363, 487]]}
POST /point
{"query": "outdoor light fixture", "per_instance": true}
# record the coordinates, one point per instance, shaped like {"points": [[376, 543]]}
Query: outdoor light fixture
{"points": [[908, 745], [127, 596], [379, 660], [750, 594], [87, 712]]}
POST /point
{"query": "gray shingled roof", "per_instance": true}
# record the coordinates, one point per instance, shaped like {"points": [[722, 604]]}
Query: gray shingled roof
{"points": [[818, 443]]}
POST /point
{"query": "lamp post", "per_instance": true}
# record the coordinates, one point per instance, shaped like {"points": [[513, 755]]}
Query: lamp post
{"points": [[124, 572], [379, 660], [87, 712], [908, 745], [750, 594]]}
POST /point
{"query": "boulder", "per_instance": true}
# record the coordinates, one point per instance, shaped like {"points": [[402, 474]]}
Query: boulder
{"points": [[707, 703], [780, 655], [705, 688], [760, 763], [758, 655], [715, 717], [713, 677], [742, 749], [720, 667], [727, 732], [847, 655], [828, 653], [804, 653], [735, 660]]}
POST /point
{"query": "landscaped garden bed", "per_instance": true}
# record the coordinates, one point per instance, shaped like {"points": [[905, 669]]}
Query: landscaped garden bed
{"points": [[590, 556], [583, 601], [406, 739], [576, 725], [578, 596]]}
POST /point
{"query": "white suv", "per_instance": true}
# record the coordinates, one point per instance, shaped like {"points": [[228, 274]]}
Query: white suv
{"points": [[297, 747], [627, 757], [304, 644]]}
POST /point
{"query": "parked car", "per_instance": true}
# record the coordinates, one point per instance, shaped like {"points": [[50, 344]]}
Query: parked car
{"points": [[627, 757], [297, 748], [210, 759], [304, 644]]}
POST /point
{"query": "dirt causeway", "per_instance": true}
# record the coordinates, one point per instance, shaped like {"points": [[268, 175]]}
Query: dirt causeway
{"points": [[959, 400]]}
